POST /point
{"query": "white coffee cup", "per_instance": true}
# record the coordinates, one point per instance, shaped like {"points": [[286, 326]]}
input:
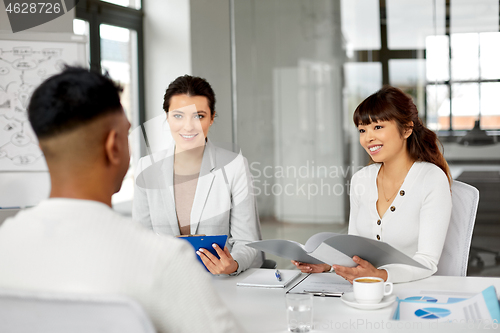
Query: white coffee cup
{"points": [[370, 290]]}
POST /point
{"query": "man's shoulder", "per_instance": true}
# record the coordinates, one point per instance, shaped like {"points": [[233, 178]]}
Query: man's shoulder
{"points": [[94, 220], [134, 232]]}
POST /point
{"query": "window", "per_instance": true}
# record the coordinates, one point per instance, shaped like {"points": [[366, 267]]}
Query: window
{"points": [[463, 71], [118, 58], [114, 30], [470, 77], [444, 53], [126, 3]]}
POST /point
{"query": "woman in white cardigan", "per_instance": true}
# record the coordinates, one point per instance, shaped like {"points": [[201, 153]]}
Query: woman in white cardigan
{"points": [[195, 187], [404, 197]]}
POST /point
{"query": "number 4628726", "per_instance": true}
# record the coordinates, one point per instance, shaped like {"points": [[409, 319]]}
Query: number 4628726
{"points": [[33, 8]]}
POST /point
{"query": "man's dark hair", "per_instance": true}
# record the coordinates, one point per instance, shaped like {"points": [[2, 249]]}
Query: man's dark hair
{"points": [[192, 86], [70, 99]]}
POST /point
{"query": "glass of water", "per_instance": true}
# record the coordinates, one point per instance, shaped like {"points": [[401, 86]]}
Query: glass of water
{"points": [[299, 311]]}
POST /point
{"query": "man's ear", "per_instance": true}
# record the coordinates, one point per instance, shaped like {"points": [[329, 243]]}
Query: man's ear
{"points": [[111, 147]]}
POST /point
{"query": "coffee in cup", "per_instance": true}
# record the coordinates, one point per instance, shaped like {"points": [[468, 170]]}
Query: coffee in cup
{"points": [[368, 280], [370, 290]]}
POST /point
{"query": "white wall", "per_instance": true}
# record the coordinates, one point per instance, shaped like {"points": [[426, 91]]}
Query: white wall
{"points": [[167, 48], [279, 124], [210, 46], [188, 37]]}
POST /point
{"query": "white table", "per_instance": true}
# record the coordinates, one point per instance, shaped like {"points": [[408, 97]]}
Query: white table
{"points": [[263, 310]]}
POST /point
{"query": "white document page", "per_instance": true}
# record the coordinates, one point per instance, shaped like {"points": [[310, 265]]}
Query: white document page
{"points": [[331, 256], [434, 296], [478, 308], [315, 240], [472, 309]]}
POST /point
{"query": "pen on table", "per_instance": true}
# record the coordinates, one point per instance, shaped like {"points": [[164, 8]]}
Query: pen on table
{"points": [[324, 293], [278, 275]]}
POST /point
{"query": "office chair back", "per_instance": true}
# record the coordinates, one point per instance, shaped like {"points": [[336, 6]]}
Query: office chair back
{"points": [[455, 255], [24, 312], [269, 264]]}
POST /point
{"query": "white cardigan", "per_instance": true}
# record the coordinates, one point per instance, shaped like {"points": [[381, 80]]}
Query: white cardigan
{"points": [[415, 223]]}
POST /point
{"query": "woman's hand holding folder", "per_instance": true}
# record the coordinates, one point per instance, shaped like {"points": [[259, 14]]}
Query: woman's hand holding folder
{"points": [[364, 268], [311, 268]]}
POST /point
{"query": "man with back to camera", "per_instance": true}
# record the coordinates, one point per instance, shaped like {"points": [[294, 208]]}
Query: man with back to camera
{"points": [[74, 242]]}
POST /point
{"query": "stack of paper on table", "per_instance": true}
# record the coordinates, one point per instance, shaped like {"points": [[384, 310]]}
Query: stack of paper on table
{"points": [[265, 278], [443, 306]]}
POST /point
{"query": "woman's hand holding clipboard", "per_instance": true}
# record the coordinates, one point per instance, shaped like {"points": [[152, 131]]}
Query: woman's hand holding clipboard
{"points": [[213, 253]]}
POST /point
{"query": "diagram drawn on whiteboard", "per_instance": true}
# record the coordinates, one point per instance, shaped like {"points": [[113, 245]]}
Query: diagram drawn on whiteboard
{"points": [[23, 66]]}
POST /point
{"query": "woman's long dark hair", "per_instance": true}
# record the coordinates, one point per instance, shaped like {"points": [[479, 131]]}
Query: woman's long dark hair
{"points": [[391, 103]]}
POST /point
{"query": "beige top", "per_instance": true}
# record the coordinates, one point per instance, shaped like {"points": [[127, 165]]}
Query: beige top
{"points": [[184, 190]]}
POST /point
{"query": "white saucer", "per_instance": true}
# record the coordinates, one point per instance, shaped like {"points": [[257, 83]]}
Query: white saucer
{"points": [[348, 298]]}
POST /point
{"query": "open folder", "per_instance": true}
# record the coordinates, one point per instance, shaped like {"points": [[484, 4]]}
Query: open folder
{"points": [[265, 278], [331, 248]]}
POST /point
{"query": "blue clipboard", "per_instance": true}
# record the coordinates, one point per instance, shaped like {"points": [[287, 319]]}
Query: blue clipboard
{"points": [[206, 242]]}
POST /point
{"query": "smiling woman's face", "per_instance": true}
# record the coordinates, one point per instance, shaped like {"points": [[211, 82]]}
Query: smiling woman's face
{"points": [[189, 118], [383, 141]]}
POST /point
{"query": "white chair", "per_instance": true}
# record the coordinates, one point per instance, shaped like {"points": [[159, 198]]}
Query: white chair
{"points": [[26, 312], [455, 255]]}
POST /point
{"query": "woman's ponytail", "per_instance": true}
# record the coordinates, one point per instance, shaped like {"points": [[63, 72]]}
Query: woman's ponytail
{"points": [[423, 145]]}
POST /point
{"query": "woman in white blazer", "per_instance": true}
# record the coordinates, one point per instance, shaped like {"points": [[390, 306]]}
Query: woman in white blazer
{"points": [[404, 197], [195, 187]]}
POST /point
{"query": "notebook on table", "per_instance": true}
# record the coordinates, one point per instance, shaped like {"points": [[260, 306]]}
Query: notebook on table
{"points": [[266, 278]]}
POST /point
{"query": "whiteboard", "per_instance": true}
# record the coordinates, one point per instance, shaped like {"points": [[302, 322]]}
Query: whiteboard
{"points": [[24, 64]]}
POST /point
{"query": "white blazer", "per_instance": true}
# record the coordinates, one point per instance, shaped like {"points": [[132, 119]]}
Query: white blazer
{"points": [[224, 202]]}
